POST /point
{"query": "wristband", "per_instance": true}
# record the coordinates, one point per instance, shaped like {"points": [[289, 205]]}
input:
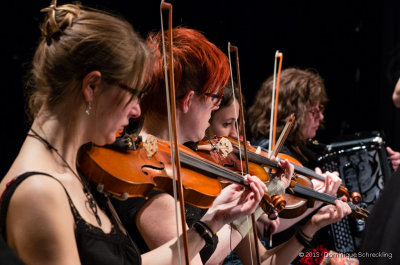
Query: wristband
{"points": [[209, 237], [303, 239]]}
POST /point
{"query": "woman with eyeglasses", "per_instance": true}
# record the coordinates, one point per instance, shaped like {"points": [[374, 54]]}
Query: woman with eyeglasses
{"points": [[223, 123], [201, 72], [302, 93], [88, 72]]}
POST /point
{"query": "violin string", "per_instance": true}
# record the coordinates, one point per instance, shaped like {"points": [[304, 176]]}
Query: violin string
{"points": [[259, 159], [215, 149], [211, 168], [266, 161], [323, 197], [305, 191]]}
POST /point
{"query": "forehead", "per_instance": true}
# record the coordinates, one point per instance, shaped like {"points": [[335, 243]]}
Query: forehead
{"points": [[315, 104], [228, 112]]}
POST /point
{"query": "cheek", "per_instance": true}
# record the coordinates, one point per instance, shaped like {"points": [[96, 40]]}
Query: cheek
{"points": [[220, 131], [305, 131]]}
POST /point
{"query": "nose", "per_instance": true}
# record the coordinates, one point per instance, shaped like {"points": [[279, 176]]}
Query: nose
{"points": [[233, 131], [135, 110], [215, 107], [321, 116]]}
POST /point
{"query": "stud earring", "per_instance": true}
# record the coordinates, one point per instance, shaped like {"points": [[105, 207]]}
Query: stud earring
{"points": [[88, 108]]}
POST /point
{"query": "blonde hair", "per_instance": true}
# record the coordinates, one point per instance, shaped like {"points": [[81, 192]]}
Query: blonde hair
{"points": [[75, 41]]}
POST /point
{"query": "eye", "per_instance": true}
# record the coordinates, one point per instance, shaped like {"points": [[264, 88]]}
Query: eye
{"points": [[141, 95], [226, 124]]}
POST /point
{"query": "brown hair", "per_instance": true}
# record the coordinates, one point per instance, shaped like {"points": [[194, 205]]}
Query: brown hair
{"points": [[198, 65], [75, 41], [299, 90]]}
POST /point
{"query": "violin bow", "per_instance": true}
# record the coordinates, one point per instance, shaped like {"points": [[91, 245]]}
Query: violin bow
{"points": [[282, 137], [274, 101], [235, 49], [171, 102]]}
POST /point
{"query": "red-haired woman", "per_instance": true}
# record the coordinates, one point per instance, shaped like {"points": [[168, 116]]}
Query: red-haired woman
{"points": [[201, 72], [88, 74]]}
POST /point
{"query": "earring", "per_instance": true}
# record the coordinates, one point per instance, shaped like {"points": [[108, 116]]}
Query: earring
{"points": [[88, 108]]}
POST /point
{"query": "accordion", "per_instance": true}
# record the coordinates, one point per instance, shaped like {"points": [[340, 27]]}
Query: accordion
{"points": [[362, 162]]}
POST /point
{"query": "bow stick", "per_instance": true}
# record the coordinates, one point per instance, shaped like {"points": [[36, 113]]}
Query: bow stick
{"points": [[236, 50], [274, 102], [171, 102]]}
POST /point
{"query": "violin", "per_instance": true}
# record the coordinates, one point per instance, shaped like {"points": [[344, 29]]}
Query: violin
{"points": [[261, 157], [133, 168], [299, 195]]}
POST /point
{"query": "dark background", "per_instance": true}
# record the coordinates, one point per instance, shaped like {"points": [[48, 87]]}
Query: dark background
{"points": [[352, 44]]}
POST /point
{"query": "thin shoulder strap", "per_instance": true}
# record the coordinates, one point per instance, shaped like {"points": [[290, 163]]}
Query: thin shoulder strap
{"points": [[9, 191]]}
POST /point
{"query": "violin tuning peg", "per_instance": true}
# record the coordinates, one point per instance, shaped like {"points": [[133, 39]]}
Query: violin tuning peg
{"points": [[100, 188], [123, 197]]}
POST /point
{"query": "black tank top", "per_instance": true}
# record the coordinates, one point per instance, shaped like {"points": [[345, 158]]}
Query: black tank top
{"points": [[94, 246]]}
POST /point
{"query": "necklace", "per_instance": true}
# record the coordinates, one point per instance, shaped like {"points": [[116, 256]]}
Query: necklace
{"points": [[90, 200]]}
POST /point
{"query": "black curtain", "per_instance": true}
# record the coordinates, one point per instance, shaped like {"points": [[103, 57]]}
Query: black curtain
{"points": [[354, 45]]}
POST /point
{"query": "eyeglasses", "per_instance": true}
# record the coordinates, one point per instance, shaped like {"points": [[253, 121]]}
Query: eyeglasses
{"points": [[139, 94], [317, 110], [214, 97]]}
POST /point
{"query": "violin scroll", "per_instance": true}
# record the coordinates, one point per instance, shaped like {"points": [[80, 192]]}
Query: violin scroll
{"points": [[356, 198]]}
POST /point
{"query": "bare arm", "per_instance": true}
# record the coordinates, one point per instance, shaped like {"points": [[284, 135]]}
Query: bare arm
{"points": [[329, 186], [228, 240], [232, 203], [40, 225], [288, 251], [157, 223]]}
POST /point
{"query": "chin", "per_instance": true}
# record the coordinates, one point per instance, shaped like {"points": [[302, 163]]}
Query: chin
{"points": [[111, 140], [105, 141]]}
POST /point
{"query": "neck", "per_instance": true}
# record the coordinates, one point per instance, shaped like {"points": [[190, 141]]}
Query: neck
{"points": [[64, 138]]}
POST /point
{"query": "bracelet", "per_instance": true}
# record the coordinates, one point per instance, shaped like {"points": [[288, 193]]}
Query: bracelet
{"points": [[303, 239], [209, 237]]}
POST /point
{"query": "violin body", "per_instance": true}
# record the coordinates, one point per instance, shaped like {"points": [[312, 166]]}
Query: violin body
{"points": [[135, 173], [199, 190], [142, 166], [118, 172], [295, 205]]}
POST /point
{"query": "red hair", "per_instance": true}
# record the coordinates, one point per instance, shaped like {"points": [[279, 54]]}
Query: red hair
{"points": [[198, 65]]}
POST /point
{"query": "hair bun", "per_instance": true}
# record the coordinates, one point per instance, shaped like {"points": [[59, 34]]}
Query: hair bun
{"points": [[58, 19]]}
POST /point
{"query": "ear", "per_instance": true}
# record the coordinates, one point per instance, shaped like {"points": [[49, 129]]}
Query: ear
{"points": [[186, 101], [89, 83]]}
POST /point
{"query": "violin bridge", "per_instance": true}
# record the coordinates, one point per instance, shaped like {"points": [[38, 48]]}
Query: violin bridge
{"points": [[225, 147], [150, 145], [258, 150]]}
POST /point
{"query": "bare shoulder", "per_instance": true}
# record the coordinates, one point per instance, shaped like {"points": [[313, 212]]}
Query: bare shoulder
{"points": [[39, 191], [39, 198], [38, 209], [38, 201]]}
